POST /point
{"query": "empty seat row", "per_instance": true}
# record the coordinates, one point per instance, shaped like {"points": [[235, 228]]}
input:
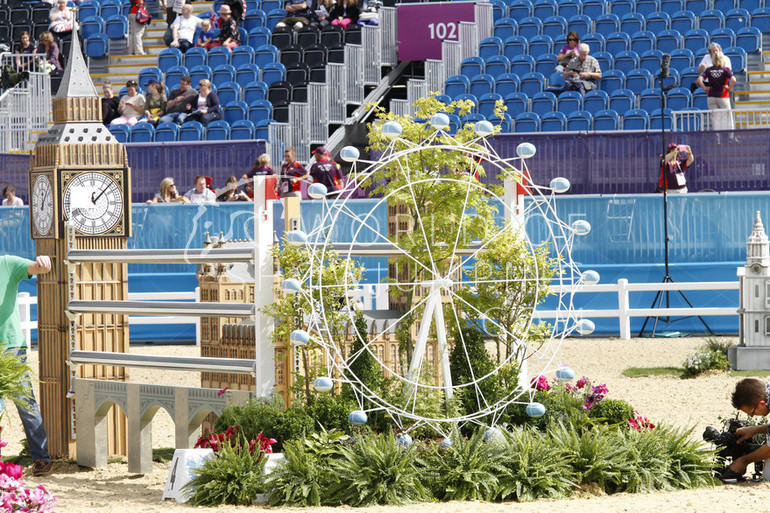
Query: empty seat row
{"points": [[219, 130]]}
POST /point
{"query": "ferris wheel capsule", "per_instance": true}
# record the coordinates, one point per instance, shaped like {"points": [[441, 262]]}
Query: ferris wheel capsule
{"points": [[299, 337], [357, 418], [317, 190], [349, 154], [581, 227], [484, 128], [296, 238], [590, 277], [565, 373], [535, 410], [392, 129], [526, 150], [585, 327], [323, 384], [560, 185], [290, 286], [404, 439], [439, 121]]}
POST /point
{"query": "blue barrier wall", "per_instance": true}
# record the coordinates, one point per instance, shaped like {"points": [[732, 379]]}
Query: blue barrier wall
{"points": [[708, 233]]}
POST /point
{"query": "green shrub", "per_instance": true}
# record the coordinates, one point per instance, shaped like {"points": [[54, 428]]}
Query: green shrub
{"points": [[376, 469], [612, 411], [232, 476], [13, 374], [267, 416], [331, 412], [303, 479], [710, 356]]}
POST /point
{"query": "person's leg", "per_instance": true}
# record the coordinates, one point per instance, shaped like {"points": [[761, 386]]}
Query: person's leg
{"points": [[184, 45], [122, 120], [29, 413], [182, 117], [208, 118], [727, 117], [139, 44], [345, 22], [716, 117], [170, 16]]}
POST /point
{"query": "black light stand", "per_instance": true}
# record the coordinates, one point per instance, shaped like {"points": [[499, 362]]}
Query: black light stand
{"points": [[657, 301]]}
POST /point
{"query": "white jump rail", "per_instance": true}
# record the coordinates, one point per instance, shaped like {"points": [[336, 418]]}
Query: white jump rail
{"points": [[624, 314]]}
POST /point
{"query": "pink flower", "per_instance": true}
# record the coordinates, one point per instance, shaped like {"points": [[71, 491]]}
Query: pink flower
{"points": [[540, 383], [11, 470], [223, 391], [640, 423], [582, 382]]}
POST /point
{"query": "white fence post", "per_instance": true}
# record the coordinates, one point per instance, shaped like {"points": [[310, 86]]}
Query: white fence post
{"points": [[25, 316], [197, 319], [623, 317]]}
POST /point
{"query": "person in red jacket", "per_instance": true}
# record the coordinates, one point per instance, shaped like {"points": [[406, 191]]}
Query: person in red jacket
{"points": [[293, 174]]}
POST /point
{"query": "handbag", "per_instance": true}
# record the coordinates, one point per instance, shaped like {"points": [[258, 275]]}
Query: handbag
{"points": [[143, 17]]}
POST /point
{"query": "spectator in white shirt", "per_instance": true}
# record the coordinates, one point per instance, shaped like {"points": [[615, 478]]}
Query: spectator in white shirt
{"points": [[706, 62], [201, 194], [183, 29], [9, 197]]}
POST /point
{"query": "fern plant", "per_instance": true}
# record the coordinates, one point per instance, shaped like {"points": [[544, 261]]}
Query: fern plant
{"points": [[304, 476], [13, 375], [233, 476], [377, 470]]}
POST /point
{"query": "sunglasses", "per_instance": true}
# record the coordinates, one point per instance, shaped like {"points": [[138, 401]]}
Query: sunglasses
{"points": [[570, 39]]}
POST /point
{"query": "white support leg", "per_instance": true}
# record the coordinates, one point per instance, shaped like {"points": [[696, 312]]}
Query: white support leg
{"points": [[263, 288]]}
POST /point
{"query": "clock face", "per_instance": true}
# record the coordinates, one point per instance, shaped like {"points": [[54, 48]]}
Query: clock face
{"points": [[93, 201], [42, 204]]}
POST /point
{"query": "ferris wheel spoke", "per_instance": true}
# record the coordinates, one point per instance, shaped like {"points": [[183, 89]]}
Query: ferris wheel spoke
{"points": [[462, 217], [478, 250]]}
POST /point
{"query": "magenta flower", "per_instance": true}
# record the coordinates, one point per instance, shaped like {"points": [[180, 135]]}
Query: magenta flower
{"points": [[540, 383], [582, 382]]}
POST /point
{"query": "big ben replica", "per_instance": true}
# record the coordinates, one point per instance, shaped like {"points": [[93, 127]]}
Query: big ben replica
{"points": [[79, 175]]}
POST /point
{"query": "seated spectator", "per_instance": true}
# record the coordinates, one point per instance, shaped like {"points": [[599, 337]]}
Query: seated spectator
{"points": [[319, 13], [201, 194], [344, 13], [110, 103], [51, 51], [155, 107], [229, 35], [327, 172], [231, 192], [180, 102], [582, 71], [25, 47], [248, 186], [167, 193], [131, 107], [183, 29], [237, 8], [9, 197], [62, 19], [299, 14], [207, 105], [568, 51], [261, 166], [206, 37]]}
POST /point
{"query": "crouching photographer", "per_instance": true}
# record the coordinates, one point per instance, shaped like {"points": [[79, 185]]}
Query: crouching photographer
{"points": [[751, 396]]}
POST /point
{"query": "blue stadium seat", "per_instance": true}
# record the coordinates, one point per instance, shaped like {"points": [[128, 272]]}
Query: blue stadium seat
{"points": [[649, 60], [169, 58], [595, 100], [690, 123], [688, 76], [546, 63], [506, 123], [472, 66], [569, 101], [636, 119], [273, 17], [569, 8], [505, 28], [91, 25], [683, 21], [506, 84], [696, 6], [254, 18], [522, 64], [516, 103], [621, 7], [579, 120], [711, 19], [655, 119], [260, 110], [621, 100], [671, 6], [543, 102], [724, 36], [222, 73], [254, 91], [499, 9], [191, 131], [97, 45], [538, 45], [110, 8], [474, 118], [147, 74], [121, 133], [531, 26], [642, 41], [490, 46], [242, 130], [543, 9], [605, 59], [638, 80], [668, 40], [594, 40], [700, 99], [606, 120], [681, 58], [265, 54], [527, 122], [487, 103], [696, 39], [497, 65], [738, 58], [617, 42], [116, 26], [580, 23], [611, 80], [632, 22], [750, 5], [258, 36], [198, 73], [228, 92], [167, 132], [749, 39], [87, 9], [657, 22], [645, 7], [556, 80], [457, 85], [594, 8], [626, 61], [606, 24], [649, 99], [246, 74], [243, 54], [142, 133], [723, 5], [737, 19], [471, 98], [553, 122], [218, 130], [679, 98], [760, 18], [482, 84], [174, 75], [554, 26], [532, 83], [195, 56], [519, 9], [515, 45], [273, 72]]}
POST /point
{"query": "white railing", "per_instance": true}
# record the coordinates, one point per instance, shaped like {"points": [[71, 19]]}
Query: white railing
{"points": [[25, 302], [707, 120], [25, 110]]}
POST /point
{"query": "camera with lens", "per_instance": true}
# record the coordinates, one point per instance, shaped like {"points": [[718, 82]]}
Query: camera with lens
{"points": [[729, 450]]}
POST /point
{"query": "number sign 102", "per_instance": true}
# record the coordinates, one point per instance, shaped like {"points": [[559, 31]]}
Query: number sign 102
{"points": [[443, 31]]}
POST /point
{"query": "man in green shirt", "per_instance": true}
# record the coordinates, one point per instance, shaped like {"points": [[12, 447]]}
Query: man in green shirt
{"points": [[14, 269]]}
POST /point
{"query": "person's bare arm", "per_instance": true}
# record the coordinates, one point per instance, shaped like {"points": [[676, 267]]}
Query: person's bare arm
{"points": [[41, 265]]}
